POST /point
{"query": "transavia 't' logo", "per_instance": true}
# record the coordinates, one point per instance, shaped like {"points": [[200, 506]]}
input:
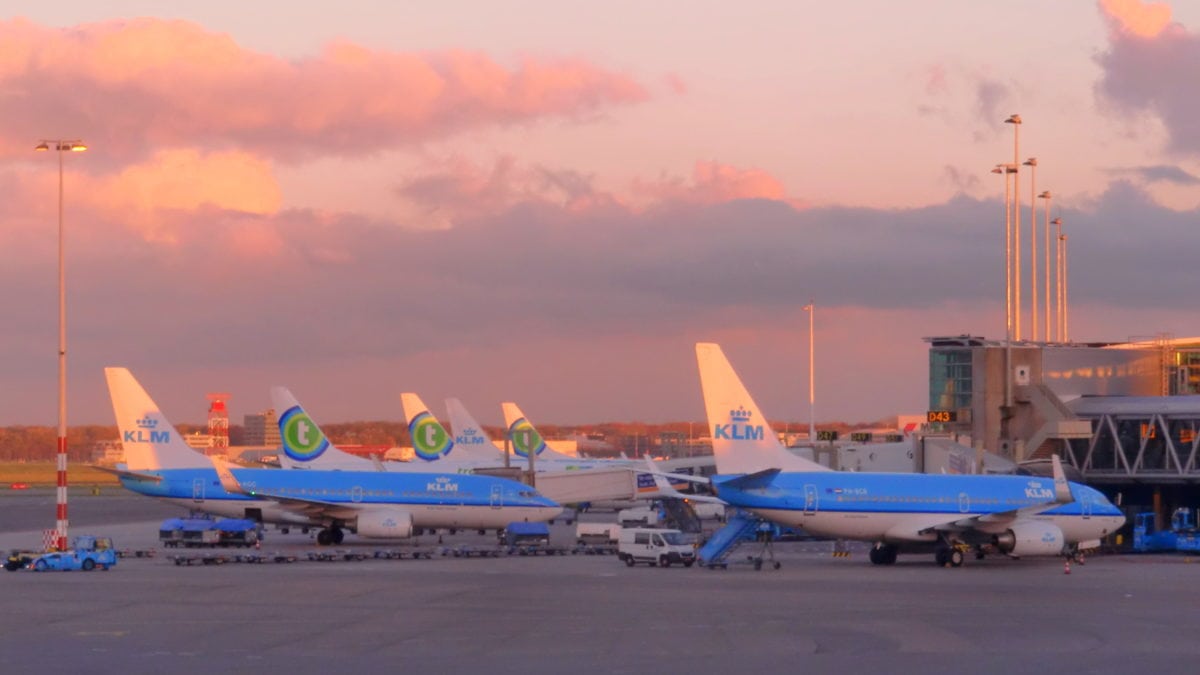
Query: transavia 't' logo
{"points": [[146, 432], [739, 427], [302, 440], [429, 438], [526, 439]]}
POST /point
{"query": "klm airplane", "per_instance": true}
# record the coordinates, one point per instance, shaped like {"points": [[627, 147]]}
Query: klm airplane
{"points": [[942, 514], [435, 448], [368, 503]]}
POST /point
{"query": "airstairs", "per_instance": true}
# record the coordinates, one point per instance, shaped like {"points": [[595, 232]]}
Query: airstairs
{"points": [[739, 529]]}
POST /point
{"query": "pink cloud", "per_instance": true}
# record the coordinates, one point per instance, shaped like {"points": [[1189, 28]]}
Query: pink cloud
{"points": [[1141, 19], [132, 85], [713, 182], [1151, 65]]}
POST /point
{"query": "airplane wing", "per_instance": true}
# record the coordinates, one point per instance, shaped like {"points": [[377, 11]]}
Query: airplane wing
{"points": [[993, 521], [311, 508], [125, 473], [665, 488]]}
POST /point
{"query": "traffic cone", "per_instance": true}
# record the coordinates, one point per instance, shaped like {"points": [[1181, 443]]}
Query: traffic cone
{"points": [[1067, 566]]}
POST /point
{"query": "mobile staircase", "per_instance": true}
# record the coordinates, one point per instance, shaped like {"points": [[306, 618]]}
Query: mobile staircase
{"points": [[739, 529]]}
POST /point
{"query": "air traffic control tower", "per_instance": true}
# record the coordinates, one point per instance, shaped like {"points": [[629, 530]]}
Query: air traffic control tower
{"points": [[1123, 413]]}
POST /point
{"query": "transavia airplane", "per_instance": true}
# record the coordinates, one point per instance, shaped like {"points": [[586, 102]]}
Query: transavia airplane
{"points": [[945, 514], [368, 503]]}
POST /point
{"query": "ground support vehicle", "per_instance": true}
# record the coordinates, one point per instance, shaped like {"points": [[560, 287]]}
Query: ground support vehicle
{"points": [[597, 534], [208, 532], [1182, 535], [87, 553], [656, 547]]}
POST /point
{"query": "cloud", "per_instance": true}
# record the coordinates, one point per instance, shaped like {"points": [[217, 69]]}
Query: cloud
{"points": [[714, 183], [131, 86], [291, 292], [1159, 173], [1151, 66], [1137, 18]]}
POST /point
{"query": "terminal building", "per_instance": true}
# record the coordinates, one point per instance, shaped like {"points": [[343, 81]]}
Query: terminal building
{"points": [[1125, 414]]}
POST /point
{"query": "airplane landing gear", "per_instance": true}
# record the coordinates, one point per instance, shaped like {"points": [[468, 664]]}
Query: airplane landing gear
{"points": [[948, 554], [883, 554], [330, 536]]}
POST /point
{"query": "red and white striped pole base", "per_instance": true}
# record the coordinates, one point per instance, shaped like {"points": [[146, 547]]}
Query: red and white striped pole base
{"points": [[61, 524]]}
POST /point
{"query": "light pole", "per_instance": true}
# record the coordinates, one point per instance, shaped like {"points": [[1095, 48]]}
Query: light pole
{"points": [[1047, 196], [812, 415], [1058, 279], [1007, 169], [61, 146], [1066, 313], [1015, 120], [1033, 285]]}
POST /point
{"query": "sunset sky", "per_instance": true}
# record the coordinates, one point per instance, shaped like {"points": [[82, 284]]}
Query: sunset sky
{"points": [[551, 202]]}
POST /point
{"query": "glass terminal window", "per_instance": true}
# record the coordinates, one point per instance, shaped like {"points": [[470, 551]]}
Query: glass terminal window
{"points": [[950, 379]]}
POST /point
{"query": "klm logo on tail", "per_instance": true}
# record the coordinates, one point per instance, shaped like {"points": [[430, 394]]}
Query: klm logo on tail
{"points": [[146, 433], [469, 436], [739, 427]]}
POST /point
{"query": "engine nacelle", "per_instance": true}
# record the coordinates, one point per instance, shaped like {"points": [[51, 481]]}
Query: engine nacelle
{"points": [[385, 524], [1031, 538]]}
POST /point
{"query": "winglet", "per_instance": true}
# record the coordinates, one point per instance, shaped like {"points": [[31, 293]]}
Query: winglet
{"points": [[1062, 489], [228, 481]]}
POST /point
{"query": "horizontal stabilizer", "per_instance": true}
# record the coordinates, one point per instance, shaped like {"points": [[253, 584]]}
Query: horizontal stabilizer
{"points": [[751, 481], [132, 475]]}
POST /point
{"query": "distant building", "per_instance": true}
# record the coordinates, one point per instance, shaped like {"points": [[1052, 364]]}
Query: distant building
{"points": [[261, 429], [108, 453], [201, 442]]}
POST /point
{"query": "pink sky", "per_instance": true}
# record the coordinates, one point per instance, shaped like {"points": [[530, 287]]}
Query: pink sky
{"points": [[551, 202]]}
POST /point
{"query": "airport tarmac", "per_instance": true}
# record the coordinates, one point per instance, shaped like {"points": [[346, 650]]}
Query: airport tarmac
{"points": [[584, 614]]}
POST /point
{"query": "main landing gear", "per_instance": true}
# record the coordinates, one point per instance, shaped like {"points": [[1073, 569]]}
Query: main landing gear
{"points": [[884, 554], [948, 554], [330, 536]]}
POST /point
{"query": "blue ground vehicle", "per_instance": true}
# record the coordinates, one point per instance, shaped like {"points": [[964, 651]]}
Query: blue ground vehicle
{"points": [[1182, 535], [87, 553], [203, 531]]}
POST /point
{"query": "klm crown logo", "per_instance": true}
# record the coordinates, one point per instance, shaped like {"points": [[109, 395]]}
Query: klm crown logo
{"points": [[470, 431], [145, 432], [739, 428]]}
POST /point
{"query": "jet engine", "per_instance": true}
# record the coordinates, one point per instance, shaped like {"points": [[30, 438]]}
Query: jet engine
{"points": [[385, 524], [1031, 538]]}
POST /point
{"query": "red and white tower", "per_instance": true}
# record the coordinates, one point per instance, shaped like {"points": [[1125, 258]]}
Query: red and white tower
{"points": [[218, 423]]}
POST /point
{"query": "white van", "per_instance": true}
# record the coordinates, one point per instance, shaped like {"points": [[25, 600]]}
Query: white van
{"points": [[655, 546]]}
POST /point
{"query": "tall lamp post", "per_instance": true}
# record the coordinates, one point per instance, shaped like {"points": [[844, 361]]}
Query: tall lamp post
{"points": [[61, 146], [1047, 196], [1033, 271], [1007, 169], [812, 415], [1058, 279], [1015, 120]]}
